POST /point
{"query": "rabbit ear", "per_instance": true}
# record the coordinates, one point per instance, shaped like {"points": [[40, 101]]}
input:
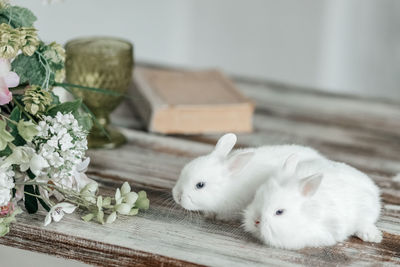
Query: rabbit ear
{"points": [[290, 165], [225, 145], [310, 184], [237, 162]]}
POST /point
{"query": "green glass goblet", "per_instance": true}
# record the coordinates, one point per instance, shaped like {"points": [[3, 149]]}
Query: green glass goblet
{"points": [[100, 62]]}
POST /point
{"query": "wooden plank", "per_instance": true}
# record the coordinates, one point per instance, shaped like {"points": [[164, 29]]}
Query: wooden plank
{"points": [[341, 127], [168, 166], [170, 235], [389, 221], [364, 133]]}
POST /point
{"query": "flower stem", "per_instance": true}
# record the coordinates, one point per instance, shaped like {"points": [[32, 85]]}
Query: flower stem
{"points": [[69, 195], [93, 89], [34, 195], [8, 119], [23, 110]]}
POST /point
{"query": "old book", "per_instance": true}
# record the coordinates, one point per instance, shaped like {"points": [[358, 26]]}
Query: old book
{"points": [[187, 102]]}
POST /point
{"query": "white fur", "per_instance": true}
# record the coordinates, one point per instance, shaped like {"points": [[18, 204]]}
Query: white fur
{"points": [[396, 178], [324, 202], [231, 180]]}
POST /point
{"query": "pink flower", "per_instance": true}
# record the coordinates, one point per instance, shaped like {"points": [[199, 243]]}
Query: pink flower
{"points": [[8, 79], [5, 210]]}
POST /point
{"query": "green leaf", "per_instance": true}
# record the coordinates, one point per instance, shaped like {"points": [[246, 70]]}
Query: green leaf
{"points": [[19, 141], [30, 70], [41, 201], [5, 222], [4, 229], [84, 120], [5, 136], [31, 204], [6, 152], [134, 211], [18, 16], [142, 204], [44, 205], [18, 102], [52, 56], [106, 201], [142, 194], [3, 19], [65, 107], [56, 99], [100, 217], [111, 218], [30, 174], [16, 116], [27, 130], [88, 217], [99, 202]]}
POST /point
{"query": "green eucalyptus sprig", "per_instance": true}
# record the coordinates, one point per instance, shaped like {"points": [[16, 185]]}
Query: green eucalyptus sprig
{"points": [[125, 202]]}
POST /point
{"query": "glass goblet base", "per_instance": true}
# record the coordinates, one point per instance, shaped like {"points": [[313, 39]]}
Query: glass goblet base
{"points": [[97, 139]]}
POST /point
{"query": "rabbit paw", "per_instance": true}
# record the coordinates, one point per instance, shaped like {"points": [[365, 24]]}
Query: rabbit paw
{"points": [[219, 217], [370, 234], [223, 217]]}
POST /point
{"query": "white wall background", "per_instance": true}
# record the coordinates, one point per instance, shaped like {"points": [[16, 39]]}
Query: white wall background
{"points": [[350, 46]]}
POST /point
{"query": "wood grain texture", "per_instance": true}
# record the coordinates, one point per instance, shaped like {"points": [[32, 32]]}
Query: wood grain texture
{"points": [[364, 133]]}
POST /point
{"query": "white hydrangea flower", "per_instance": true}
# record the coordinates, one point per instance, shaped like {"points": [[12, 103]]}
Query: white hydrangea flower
{"points": [[6, 182], [26, 157], [62, 142]]}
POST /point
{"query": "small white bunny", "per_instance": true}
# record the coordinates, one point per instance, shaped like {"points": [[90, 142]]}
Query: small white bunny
{"points": [[222, 184], [314, 203]]}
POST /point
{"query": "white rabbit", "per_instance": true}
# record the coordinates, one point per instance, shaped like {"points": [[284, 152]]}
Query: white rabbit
{"points": [[222, 185], [314, 203]]}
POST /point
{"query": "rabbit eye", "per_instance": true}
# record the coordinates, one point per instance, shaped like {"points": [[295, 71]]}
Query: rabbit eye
{"points": [[279, 212], [200, 185]]}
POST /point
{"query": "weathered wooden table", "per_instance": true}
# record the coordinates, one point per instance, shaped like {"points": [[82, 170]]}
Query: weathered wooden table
{"points": [[362, 132]]}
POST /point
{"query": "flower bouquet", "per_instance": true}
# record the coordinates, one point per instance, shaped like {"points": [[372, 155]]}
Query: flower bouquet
{"points": [[43, 141]]}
